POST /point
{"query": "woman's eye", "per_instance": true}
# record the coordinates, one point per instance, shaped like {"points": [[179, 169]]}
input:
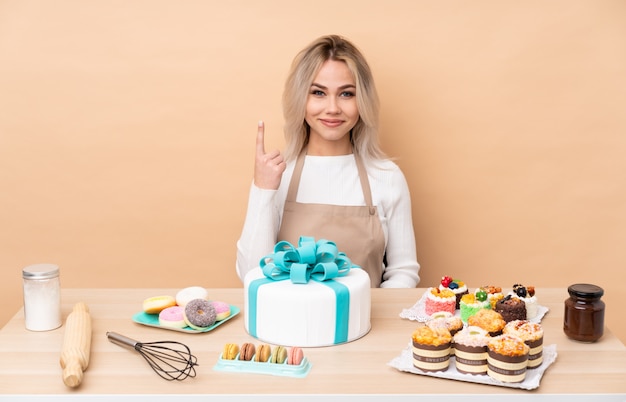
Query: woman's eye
{"points": [[317, 92], [347, 94]]}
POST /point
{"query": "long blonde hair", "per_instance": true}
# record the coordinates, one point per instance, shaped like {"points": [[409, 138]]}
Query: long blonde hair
{"points": [[305, 66]]}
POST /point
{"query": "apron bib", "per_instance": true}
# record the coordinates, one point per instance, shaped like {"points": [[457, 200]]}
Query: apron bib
{"points": [[356, 230]]}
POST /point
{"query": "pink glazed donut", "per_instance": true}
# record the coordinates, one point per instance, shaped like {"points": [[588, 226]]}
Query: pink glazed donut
{"points": [[172, 317], [222, 310]]}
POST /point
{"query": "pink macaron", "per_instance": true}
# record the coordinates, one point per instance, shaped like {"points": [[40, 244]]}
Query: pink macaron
{"points": [[295, 356], [172, 317], [222, 310]]}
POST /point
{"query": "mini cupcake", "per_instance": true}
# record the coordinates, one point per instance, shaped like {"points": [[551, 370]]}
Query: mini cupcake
{"points": [[511, 308], [489, 320], [472, 303], [431, 348], [439, 300], [445, 319], [494, 293], [456, 286], [507, 358], [532, 334], [527, 294], [470, 349]]}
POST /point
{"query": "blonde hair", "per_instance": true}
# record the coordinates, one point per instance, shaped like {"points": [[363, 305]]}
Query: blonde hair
{"points": [[305, 66]]}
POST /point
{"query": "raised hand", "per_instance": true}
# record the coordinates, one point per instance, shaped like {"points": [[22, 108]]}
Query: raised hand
{"points": [[268, 167]]}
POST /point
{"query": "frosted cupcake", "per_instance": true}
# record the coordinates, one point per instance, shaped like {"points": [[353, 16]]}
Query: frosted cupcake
{"points": [[439, 300], [473, 302], [494, 294], [431, 348], [526, 294], [457, 287], [470, 350], [532, 334]]}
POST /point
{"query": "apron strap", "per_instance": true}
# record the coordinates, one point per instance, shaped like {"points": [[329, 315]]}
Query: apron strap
{"points": [[365, 184]]}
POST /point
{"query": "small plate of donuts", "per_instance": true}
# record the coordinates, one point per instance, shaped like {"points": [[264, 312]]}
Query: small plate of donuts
{"points": [[190, 311]]}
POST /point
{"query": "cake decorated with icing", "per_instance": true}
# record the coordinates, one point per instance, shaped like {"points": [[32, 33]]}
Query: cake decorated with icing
{"points": [[527, 294], [457, 287], [511, 308], [494, 294], [532, 334], [308, 296], [438, 300], [472, 303]]}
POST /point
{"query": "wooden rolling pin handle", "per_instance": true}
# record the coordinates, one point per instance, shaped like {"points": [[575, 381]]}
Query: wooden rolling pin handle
{"points": [[76, 345]]}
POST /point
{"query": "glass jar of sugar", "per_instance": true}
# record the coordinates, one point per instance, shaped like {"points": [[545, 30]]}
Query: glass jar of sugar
{"points": [[42, 297]]}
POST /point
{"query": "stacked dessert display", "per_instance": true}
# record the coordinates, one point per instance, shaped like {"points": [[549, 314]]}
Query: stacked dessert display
{"points": [[489, 333]]}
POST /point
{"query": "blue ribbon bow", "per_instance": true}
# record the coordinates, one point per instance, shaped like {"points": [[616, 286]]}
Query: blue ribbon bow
{"points": [[319, 261]]}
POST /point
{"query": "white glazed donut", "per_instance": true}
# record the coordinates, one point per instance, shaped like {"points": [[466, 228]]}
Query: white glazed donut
{"points": [[186, 295]]}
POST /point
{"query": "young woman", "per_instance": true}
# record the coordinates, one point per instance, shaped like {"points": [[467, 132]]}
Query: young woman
{"points": [[333, 181]]}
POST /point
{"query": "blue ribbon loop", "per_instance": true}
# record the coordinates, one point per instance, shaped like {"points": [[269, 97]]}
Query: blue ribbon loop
{"points": [[320, 261]]}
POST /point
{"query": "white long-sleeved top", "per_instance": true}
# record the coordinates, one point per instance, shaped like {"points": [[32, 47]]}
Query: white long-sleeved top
{"points": [[335, 180]]}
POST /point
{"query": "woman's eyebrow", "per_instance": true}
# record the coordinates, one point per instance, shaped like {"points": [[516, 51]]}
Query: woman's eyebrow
{"points": [[346, 86]]}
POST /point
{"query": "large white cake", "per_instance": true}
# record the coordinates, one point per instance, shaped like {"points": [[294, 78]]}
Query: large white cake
{"points": [[316, 313]]}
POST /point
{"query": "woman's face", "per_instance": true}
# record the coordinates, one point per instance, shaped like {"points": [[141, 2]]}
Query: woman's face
{"points": [[331, 110]]}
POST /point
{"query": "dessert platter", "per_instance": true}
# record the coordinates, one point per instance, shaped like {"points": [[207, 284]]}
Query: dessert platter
{"points": [[486, 336], [404, 362], [190, 311]]}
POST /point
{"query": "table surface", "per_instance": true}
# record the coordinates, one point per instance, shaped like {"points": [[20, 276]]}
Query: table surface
{"points": [[358, 367]]}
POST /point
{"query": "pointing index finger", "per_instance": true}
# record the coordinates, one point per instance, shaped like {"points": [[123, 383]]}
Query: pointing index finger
{"points": [[260, 138]]}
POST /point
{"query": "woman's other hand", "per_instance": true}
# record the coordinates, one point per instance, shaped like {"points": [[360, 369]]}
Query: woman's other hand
{"points": [[268, 167]]}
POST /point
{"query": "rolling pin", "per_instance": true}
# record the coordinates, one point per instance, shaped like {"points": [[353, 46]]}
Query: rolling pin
{"points": [[76, 345]]}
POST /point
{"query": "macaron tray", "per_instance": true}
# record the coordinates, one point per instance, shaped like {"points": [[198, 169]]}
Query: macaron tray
{"points": [[152, 320], [250, 366]]}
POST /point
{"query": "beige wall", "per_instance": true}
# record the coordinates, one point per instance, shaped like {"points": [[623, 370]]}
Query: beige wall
{"points": [[127, 134]]}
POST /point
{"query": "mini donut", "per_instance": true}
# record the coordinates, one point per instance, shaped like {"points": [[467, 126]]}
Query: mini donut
{"points": [[156, 304], [186, 295], [172, 317], [222, 310], [199, 314]]}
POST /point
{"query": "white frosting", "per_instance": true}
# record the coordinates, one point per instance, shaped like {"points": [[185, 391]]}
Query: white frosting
{"points": [[303, 315], [460, 289]]}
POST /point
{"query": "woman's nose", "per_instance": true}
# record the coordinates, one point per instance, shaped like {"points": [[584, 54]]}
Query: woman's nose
{"points": [[333, 106]]}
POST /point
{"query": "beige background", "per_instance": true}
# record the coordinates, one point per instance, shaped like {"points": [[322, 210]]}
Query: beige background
{"points": [[127, 134]]}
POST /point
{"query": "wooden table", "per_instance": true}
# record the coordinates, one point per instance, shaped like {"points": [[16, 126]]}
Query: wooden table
{"points": [[30, 360]]}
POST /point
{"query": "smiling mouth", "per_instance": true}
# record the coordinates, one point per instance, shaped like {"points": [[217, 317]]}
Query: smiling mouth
{"points": [[331, 123]]}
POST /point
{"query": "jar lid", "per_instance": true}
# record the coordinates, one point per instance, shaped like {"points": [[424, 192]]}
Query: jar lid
{"points": [[40, 271], [585, 290]]}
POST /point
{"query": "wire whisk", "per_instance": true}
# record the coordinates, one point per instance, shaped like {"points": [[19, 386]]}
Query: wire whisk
{"points": [[171, 360]]}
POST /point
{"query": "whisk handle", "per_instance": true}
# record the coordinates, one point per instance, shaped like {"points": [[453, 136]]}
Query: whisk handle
{"points": [[123, 340]]}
